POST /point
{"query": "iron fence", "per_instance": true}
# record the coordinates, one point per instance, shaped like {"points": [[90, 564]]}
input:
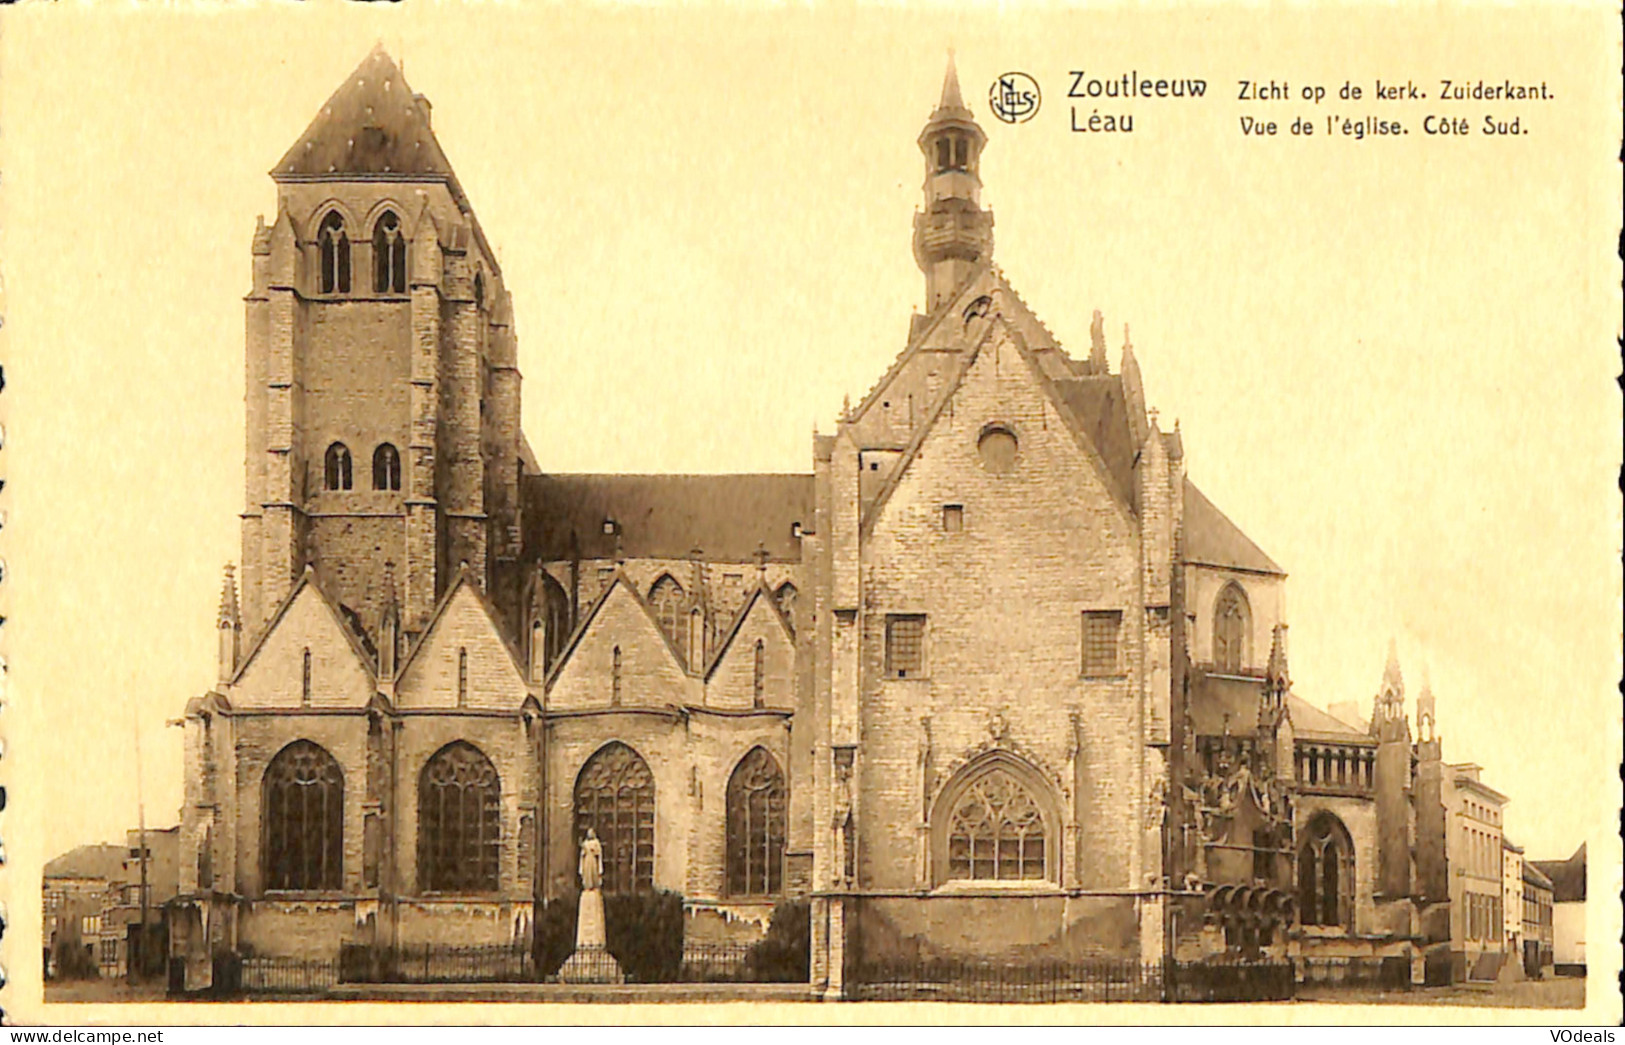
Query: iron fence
{"points": [[436, 963], [1081, 980], [283, 975], [716, 963]]}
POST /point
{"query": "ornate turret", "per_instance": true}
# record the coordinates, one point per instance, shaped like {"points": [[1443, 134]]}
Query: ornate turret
{"points": [[230, 624], [953, 233]]}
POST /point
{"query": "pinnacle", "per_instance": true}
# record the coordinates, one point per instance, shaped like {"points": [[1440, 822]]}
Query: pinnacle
{"points": [[1390, 671], [951, 98]]}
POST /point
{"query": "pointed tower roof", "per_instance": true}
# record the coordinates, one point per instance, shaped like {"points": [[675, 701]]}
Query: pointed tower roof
{"points": [[372, 126], [1391, 678], [951, 107], [229, 615], [950, 87]]}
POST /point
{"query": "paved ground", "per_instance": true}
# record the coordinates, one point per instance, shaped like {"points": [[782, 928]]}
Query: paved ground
{"points": [[1552, 993], [103, 991]]}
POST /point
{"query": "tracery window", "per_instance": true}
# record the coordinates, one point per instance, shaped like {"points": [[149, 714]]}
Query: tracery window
{"points": [[386, 468], [338, 468], [1230, 626], [756, 825], [1325, 873], [667, 598], [996, 830], [334, 244], [615, 796], [304, 819], [388, 255], [459, 825]]}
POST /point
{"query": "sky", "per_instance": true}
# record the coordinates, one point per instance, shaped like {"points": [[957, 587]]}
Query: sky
{"points": [[1391, 359]]}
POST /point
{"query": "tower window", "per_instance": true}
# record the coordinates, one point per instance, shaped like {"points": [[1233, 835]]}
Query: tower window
{"points": [[905, 645], [961, 153], [945, 154], [386, 468], [338, 470], [388, 255], [1100, 630], [335, 250]]}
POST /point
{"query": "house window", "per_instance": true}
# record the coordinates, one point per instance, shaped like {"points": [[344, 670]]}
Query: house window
{"points": [[953, 517], [667, 598], [996, 831], [1230, 626], [337, 471], [388, 255], [905, 645], [756, 826], [758, 677], [335, 251], [459, 825], [1325, 873], [386, 468], [304, 819], [1100, 634], [615, 797]]}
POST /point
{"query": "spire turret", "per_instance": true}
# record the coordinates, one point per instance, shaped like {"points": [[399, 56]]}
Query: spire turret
{"points": [[230, 624], [952, 234]]}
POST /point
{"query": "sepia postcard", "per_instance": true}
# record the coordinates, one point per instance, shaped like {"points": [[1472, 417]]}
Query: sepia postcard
{"points": [[600, 513]]}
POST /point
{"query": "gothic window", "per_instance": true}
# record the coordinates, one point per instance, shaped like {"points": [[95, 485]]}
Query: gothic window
{"points": [[386, 468], [459, 827], [1100, 632], [1230, 627], [667, 598], [905, 645], [995, 830], [1325, 873], [756, 826], [304, 819], [338, 467], [785, 596], [388, 255], [615, 797], [335, 251], [758, 677]]}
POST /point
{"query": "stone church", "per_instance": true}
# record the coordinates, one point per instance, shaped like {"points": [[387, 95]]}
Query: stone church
{"points": [[993, 677]]}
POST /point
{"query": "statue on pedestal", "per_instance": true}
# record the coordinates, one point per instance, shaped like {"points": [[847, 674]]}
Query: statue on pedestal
{"points": [[591, 962]]}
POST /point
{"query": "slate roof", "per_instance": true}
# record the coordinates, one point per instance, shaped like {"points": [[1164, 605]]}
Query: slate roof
{"points": [[1312, 723], [728, 517], [1211, 539], [89, 861], [1099, 406], [1534, 876], [1214, 696], [373, 124], [1568, 877]]}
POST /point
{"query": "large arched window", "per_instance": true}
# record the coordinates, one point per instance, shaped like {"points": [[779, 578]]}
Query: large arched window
{"points": [[386, 468], [304, 819], [756, 799], [615, 796], [335, 250], [1326, 873], [459, 821], [667, 598], [1231, 622], [996, 824], [338, 470], [388, 255]]}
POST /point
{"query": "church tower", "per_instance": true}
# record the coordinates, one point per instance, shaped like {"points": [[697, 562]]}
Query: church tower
{"points": [[382, 377], [953, 233]]}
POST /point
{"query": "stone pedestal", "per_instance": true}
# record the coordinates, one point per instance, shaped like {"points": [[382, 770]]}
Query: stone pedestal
{"points": [[591, 962]]}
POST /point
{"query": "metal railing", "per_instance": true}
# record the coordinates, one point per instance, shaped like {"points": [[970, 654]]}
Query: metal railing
{"points": [[283, 975], [1392, 973], [1081, 980], [436, 963]]}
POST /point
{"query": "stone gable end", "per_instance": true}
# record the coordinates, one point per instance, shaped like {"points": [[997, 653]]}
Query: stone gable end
{"points": [[732, 683], [432, 679], [650, 675], [275, 677]]}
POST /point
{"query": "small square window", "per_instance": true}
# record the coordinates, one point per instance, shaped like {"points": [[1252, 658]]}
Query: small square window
{"points": [[1100, 635], [905, 645], [953, 517]]}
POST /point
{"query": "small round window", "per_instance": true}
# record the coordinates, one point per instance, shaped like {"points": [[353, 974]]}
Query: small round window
{"points": [[997, 448]]}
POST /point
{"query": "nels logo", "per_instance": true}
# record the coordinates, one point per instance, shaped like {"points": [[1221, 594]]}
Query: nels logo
{"points": [[1014, 97]]}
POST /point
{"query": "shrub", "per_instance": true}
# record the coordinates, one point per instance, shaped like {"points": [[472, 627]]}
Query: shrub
{"points": [[555, 938], [784, 954], [645, 934]]}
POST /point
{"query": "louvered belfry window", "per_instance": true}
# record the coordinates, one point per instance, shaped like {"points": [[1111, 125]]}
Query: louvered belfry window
{"points": [[756, 799], [304, 819], [996, 831], [615, 796], [388, 255], [334, 244], [459, 821]]}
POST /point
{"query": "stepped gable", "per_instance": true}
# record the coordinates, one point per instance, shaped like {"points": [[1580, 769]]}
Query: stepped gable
{"points": [[1211, 539], [728, 517]]}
